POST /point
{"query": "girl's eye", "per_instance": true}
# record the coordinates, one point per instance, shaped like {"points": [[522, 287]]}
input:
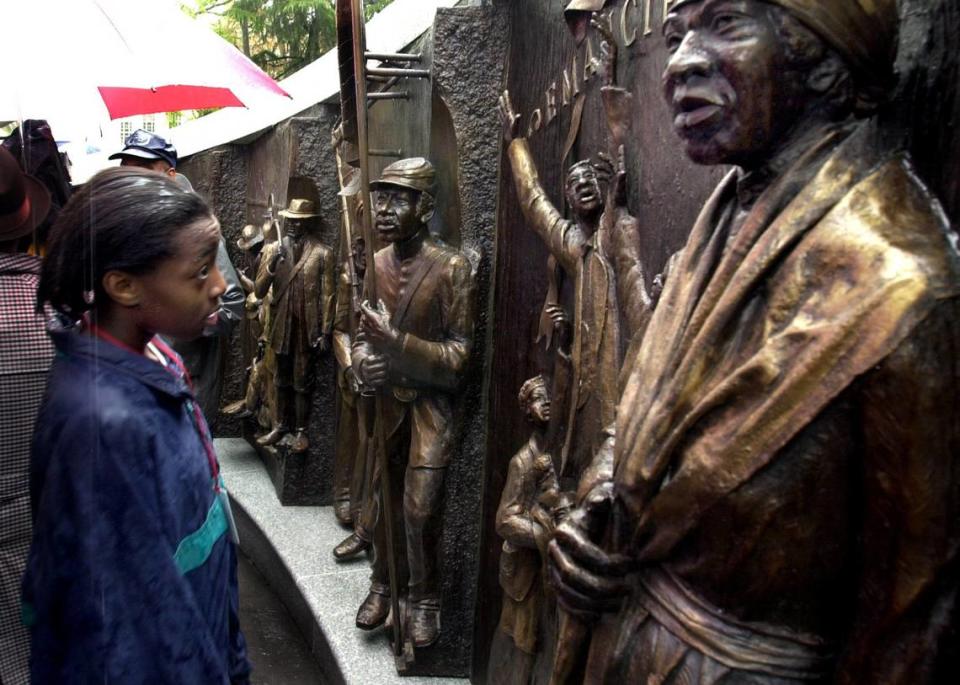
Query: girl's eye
{"points": [[204, 272], [673, 41]]}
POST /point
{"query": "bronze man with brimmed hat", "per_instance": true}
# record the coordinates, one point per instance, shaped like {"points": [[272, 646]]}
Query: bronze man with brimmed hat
{"points": [[777, 499], [414, 344], [299, 272]]}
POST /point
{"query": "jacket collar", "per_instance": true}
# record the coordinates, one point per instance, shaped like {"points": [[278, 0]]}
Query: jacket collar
{"points": [[71, 342]]}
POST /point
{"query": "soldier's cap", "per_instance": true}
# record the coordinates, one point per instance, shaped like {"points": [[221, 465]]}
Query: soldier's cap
{"points": [[415, 173], [863, 32], [299, 208], [146, 145], [250, 235]]}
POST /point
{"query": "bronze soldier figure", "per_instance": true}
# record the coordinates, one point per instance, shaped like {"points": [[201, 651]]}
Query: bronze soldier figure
{"points": [[779, 501], [416, 344], [301, 272]]}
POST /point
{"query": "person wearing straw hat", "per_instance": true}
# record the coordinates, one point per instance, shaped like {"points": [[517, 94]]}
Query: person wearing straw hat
{"points": [[25, 356], [777, 500], [301, 272]]}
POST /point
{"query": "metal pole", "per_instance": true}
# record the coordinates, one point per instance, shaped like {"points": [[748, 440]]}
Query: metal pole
{"points": [[389, 95], [386, 495], [394, 56], [396, 71]]}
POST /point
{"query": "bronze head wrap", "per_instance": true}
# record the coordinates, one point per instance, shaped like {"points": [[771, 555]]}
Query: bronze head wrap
{"points": [[863, 32]]}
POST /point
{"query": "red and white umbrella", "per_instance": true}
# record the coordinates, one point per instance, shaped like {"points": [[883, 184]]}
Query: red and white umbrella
{"points": [[119, 57]]}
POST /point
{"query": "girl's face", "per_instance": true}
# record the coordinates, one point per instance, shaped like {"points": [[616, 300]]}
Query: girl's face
{"points": [[182, 295]]}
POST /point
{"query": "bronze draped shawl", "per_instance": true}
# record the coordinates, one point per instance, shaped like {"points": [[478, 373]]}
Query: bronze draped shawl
{"points": [[834, 265]]}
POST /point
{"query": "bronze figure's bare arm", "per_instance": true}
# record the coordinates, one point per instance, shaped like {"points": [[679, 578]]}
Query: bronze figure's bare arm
{"points": [[341, 341], [563, 238], [328, 290]]}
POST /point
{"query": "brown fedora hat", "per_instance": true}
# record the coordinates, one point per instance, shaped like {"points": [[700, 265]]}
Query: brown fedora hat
{"points": [[299, 208], [24, 201]]}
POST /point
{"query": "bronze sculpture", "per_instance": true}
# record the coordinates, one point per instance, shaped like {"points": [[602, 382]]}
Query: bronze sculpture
{"points": [[414, 344], [260, 397], [580, 248], [251, 242], [299, 274], [531, 505], [351, 442], [774, 503]]}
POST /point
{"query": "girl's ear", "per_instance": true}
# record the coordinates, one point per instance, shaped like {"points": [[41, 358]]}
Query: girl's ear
{"points": [[122, 288]]}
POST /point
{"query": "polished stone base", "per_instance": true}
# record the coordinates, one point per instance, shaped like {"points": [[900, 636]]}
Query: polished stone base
{"points": [[292, 547]]}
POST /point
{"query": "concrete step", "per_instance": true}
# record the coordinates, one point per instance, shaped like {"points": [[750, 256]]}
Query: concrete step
{"points": [[291, 547]]}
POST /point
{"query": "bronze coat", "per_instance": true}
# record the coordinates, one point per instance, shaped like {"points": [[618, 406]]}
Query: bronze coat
{"points": [[304, 288], [429, 368]]}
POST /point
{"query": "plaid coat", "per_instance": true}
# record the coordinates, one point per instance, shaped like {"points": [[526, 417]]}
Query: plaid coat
{"points": [[25, 356]]}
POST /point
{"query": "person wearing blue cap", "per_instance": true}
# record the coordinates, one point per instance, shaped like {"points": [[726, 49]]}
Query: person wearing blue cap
{"points": [[149, 151]]}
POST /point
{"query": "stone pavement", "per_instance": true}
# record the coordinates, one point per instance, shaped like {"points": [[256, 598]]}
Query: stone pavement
{"points": [[276, 649], [291, 547]]}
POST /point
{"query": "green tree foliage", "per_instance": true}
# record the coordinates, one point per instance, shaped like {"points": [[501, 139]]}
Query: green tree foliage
{"points": [[280, 36]]}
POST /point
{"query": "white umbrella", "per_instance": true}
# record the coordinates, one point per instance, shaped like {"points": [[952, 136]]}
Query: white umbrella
{"points": [[115, 58]]}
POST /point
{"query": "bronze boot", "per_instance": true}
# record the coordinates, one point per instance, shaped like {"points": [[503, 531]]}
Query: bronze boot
{"points": [[300, 442], [274, 436], [351, 547], [341, 509], [373, 612], [424, 624]]}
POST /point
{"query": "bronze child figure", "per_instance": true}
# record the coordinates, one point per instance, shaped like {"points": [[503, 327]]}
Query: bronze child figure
{"points": [[531, 504]]}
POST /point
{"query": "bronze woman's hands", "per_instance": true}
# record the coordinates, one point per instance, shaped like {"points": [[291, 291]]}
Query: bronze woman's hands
{"points": [[588, 579]]}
